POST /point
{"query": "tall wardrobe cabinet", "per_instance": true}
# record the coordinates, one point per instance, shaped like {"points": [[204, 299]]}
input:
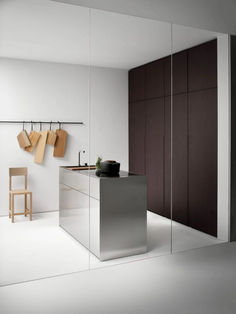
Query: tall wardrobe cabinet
{"points": [[193, 134]]}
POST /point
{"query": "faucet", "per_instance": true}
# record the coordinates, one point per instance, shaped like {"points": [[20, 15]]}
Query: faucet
{"points": [[79, 157]]}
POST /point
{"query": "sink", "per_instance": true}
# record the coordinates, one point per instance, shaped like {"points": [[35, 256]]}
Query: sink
{"points": [[74, 168]]}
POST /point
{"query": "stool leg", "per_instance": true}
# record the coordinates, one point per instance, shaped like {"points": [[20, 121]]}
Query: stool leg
{"points": [[30, 206], [9, 205], [13, 208], [25, 205]]}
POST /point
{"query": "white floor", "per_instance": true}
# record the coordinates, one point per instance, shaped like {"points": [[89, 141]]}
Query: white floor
{"points": [[39, 249]]}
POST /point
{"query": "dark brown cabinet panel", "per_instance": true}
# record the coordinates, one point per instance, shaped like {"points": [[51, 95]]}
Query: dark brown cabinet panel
{"points": [[202, 66], [167, 159], [155, 79], [203, 161], [167, 75], [137, 125], [180, 159], [180, 72], [137, 84], [194, 135], [180, 75], [155, 155]]}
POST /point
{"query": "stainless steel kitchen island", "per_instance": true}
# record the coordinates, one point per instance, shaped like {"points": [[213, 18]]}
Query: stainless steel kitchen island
{"points": [[105, 214]]}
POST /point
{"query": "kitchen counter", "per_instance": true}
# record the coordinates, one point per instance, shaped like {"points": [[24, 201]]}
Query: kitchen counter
{"points": [[105, 214]]}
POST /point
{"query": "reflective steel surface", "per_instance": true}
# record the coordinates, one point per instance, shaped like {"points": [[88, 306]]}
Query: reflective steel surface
{"points": [[110, 220]]}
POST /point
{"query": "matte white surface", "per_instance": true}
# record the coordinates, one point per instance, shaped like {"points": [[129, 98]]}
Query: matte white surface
{"points": [[32, 90], [200, 281], [37, 249], [51, 31]]}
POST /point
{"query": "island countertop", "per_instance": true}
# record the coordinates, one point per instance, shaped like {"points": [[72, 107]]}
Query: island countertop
{"points": [[92, 173]]}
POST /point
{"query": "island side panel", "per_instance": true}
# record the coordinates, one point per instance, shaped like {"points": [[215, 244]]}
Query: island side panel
{"points": [[123, 217], [74, 206]]}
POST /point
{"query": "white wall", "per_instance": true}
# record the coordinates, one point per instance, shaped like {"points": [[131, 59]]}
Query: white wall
{"points": [[224, 108], [109, 115], [32, 90]]}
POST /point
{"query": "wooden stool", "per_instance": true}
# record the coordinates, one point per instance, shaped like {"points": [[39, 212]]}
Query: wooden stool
{"points": [[19, 172]]}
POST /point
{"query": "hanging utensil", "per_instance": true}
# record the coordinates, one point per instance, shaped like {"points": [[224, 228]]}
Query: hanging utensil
{"points": [[60, 145], [33, 137], [40, 149], [23, 138], [52, 136]]}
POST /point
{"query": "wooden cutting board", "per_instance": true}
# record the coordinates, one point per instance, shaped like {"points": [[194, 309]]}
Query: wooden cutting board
{"points": [[23, 139], [40, 149], [60, 146], [52, 137], [33, 137]]}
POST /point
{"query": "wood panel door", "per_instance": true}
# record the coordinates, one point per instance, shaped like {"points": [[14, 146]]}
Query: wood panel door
{"points": [[179, 143], [155, 79], [202, 66], [137, 78], [180, 70], [180, 159], [203, 161], [155, 155], [167, 158], [137, 125]]}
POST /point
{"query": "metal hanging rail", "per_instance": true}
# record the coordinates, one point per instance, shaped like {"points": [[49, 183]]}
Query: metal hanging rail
{"points": [[40, 122]]}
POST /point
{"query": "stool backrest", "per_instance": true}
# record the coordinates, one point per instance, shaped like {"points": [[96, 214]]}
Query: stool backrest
{"points": [[13, 172]]}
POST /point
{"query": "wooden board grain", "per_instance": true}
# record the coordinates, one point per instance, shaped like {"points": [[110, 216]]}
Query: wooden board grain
{"points": [[60, 146], [33, 137], [23, 139], [40, 149], [52, 137]]}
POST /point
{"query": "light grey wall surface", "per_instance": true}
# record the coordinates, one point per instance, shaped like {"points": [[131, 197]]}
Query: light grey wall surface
{"points": [[33, 90], [214, 15]]}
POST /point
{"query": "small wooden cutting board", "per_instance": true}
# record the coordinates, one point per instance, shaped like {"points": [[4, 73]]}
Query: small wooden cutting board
{"points": [[33, 137], [23, 139], [52, 137], [60, 146], [40, 149]]}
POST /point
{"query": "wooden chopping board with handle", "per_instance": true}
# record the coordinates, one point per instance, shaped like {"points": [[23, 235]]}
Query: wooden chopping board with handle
{"points": [[60, 145], [52, 137], [23, 139], [33, 137], [40, 149]]}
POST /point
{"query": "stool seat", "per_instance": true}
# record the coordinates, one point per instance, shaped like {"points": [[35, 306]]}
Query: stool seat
{"points": [[12, 193], [20, 192]]}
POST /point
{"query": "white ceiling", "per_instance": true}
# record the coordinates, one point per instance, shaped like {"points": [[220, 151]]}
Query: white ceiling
{"points": [[56, 32]]}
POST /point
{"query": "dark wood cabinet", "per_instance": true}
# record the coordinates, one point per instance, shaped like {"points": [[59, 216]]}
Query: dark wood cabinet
{"points": [[180, 69], [154, 79], [202, 66], [194, 135], [167, 75], [180, 73], [180, 159], [137, 129], [167, 158], [137, 81], [155, 155], [203, 160]]}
